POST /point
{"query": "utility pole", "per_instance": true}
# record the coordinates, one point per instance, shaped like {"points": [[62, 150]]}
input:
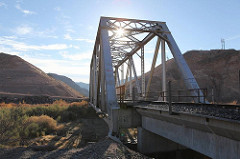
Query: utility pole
{"points": [[223, 44]]}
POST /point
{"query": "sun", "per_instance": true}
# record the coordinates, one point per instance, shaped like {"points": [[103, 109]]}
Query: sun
{"points": [[120, 32]]}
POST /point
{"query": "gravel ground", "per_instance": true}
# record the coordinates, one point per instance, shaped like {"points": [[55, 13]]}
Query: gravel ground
{"points": [[231, 112], [104, 149], [220, 111]]}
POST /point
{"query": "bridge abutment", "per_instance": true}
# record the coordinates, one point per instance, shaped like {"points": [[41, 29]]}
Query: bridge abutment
{"points": [[149, 142]]}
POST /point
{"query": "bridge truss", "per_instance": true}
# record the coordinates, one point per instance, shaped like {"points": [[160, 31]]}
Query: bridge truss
{"points": [[112, 65]]}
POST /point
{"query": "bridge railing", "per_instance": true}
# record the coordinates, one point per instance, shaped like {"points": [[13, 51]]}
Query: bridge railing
{"points": [[176, 96], [185, 95]]}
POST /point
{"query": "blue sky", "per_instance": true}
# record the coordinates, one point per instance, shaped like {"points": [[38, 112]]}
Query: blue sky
{"points": [[58, 35]]}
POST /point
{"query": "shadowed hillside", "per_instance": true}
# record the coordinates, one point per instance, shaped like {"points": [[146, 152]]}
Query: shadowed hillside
{"points": [[70, 82], [214, 69], [19, 76], [83, 85]]}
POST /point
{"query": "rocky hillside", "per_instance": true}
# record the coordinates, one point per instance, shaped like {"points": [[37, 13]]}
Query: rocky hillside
{"points": [[20, 77], [216, 70], [70, 82]]}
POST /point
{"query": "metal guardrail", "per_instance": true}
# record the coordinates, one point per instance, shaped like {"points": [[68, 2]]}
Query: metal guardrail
{"points": [[176, 95], [181, 94]]}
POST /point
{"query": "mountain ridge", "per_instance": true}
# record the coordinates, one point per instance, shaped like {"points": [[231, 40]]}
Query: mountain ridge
{"points": [[70, 83], [83, 85]]}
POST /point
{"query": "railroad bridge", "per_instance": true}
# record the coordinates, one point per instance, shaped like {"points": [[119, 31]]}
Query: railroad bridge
{"points": [[117, 90]]}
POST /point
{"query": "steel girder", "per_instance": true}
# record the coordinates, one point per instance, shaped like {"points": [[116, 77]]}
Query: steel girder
{"points": [[113, 50]]}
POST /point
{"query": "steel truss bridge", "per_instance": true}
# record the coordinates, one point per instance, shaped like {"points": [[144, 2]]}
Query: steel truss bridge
{"points": [[117, 40], [200, 126]]}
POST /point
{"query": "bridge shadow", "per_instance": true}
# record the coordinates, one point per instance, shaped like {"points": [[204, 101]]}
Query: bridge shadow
{"points": [[179, 154], [77, 138]]}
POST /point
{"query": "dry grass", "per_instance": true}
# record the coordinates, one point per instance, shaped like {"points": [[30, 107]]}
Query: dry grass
{"points": [[22, 120], [9, 105], [60, 102]]}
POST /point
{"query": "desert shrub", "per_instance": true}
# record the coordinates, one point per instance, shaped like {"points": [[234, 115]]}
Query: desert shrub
{"points": [[36, 111], [60, 103], [22, 121], [18, 112], [75, 112], [15, 127], [6, 124], [71, 113], [41, 124], [53, 111], [82, 103], [36, 126], [32, 130], [66, 116], [11, 123]]}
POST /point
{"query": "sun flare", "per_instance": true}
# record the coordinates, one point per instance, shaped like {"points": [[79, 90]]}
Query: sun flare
{"points": [[120, 32]]}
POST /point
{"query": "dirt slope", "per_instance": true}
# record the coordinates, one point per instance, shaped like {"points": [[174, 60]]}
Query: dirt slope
{"points": [[103, 149], [214, 69], [19, 76]]}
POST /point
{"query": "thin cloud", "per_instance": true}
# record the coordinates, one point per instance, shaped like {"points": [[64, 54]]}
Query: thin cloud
{"points": [[8, 50], [20, 46], [69, 37], [80, 56], [23, 30], [233, 38], [26, 12], [3, 5], [9, 37], [47, 33], [65, 22], [86, 40]]}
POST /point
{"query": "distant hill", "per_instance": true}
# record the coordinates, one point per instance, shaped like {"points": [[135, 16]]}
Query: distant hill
{"points": [[83, 85], [19, 76], [70, 82], [217, 70]]}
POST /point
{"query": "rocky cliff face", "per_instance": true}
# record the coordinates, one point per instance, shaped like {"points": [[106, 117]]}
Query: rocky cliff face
{"points": [[19, 76]]}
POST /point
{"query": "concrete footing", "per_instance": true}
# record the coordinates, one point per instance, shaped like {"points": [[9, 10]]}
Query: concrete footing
{"points": [[149, 142]]}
